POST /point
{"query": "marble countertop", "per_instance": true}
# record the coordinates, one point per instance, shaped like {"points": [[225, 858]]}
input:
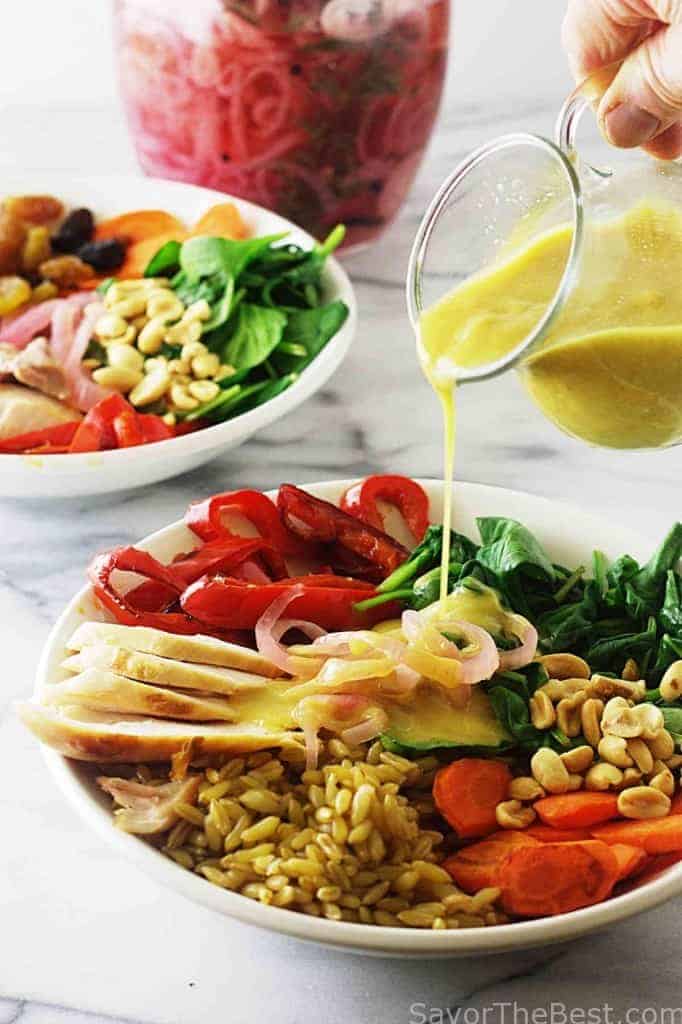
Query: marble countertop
{"points": [[82, 933]]}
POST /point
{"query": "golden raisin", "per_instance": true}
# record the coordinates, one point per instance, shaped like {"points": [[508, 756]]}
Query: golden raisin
{"points": [[34, 209], [65, 271], [14, 292], [36, 248], [12, 234]]}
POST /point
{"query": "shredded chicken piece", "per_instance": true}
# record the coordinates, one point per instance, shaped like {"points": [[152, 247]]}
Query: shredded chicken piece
{"points": [[147, 809], [35, 367]]}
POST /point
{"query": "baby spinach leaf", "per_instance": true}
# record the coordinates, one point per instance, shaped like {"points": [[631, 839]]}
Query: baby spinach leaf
{"points": [[508, 547], [204, 256], [672, 719], [312, 329], [164, 261], [671, 611], [257, 332]]}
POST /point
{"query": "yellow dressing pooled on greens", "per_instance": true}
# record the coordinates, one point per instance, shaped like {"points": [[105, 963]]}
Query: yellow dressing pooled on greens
{"points": [[433, 716]]}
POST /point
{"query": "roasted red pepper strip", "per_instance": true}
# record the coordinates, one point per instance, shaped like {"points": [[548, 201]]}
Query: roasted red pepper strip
{"points": [[153, 428], [205, 519], [127, 430], [54, 437], [141, 562], [315, 520], [227, 603], [408, 497], [224, 556]]}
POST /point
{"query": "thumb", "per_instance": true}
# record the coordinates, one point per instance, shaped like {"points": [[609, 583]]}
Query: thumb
{"points": [[645, 98]]}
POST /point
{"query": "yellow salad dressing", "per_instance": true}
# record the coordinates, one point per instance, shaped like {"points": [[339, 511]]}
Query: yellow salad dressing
{"points": [[610, 369]]}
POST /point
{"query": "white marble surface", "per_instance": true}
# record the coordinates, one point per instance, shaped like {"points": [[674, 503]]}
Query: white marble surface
{"points": [[82, 933]]}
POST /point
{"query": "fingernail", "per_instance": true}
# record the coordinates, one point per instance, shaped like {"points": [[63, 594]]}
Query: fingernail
{"points": [[628, 125]]}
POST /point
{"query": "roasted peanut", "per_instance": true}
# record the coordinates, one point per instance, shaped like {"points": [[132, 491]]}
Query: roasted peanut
{"points": [[203, 390], [614, 750], [603, 776], [117, 378], [578, 760], [574, 782], [619, 719], [181, 398], [606, 688], [206, 365], [631, 777], [671, 683], [125, 357], [558, 689], [568, 714], [650, 718], [641, 802], [151, 388], [524, 787], [110, 325], [674, 762], [512, 814], [183, 333], [565, 666], [664, 781], [640, 754], [549, 770], [150, 338], [542, 713], [631, 671], [129, 307], [163, 302], [661, 744], [590, 717]]}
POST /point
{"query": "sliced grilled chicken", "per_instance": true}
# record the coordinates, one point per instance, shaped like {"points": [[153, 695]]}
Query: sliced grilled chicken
{"points": [[202, 650], [22, 410], [150, 668], [102, 690], [147, 809], [109, 739], [36, 367]]}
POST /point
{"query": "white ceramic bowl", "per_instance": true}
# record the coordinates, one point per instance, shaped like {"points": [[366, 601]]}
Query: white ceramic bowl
{"points": [[570, 535], [64, 476]]}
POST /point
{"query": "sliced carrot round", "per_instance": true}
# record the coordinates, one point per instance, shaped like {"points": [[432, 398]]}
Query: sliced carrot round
{"points": [[554, 878], [548, 834], [577, 810], [630, 859], [137, 225], [467, 792], [476, 867], [222, 221], [655, 835]]}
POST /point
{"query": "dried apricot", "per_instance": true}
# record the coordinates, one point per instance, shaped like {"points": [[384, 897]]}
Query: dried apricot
{"points": [[14, 292], [36, 248], [12, 235], [34, 209], [65, 271]]}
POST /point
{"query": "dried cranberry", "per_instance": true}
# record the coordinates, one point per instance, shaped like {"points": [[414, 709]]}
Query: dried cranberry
{"points": [[74, 231], [107, 254]]}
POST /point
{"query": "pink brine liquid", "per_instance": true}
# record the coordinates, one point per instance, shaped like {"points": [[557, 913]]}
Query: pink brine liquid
{"points": [[318, 110]]}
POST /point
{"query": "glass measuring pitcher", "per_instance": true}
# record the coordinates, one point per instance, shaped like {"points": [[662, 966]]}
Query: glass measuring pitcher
{"points": [[530, 257]]}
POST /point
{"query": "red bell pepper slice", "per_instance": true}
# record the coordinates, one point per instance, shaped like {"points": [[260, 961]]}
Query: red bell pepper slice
{"points": [[205, 519], [153, 428], [224, 556], [58, 436], [408, 497], [313, 519], [96, 431], [123, 610], [228, 603], [127, 429]]}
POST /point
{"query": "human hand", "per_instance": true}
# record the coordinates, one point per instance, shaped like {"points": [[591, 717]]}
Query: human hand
{"points": [[643, 105]]}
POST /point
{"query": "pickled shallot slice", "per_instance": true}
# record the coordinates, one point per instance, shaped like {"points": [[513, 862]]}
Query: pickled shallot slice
{"points": [[522, 655], [148, 809], [356, 719], [270, 629], [430, 651], [18, 330]]}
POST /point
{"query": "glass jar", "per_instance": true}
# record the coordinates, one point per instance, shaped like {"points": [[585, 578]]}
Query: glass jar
{"points": [[318, 109], [532, 258]]}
